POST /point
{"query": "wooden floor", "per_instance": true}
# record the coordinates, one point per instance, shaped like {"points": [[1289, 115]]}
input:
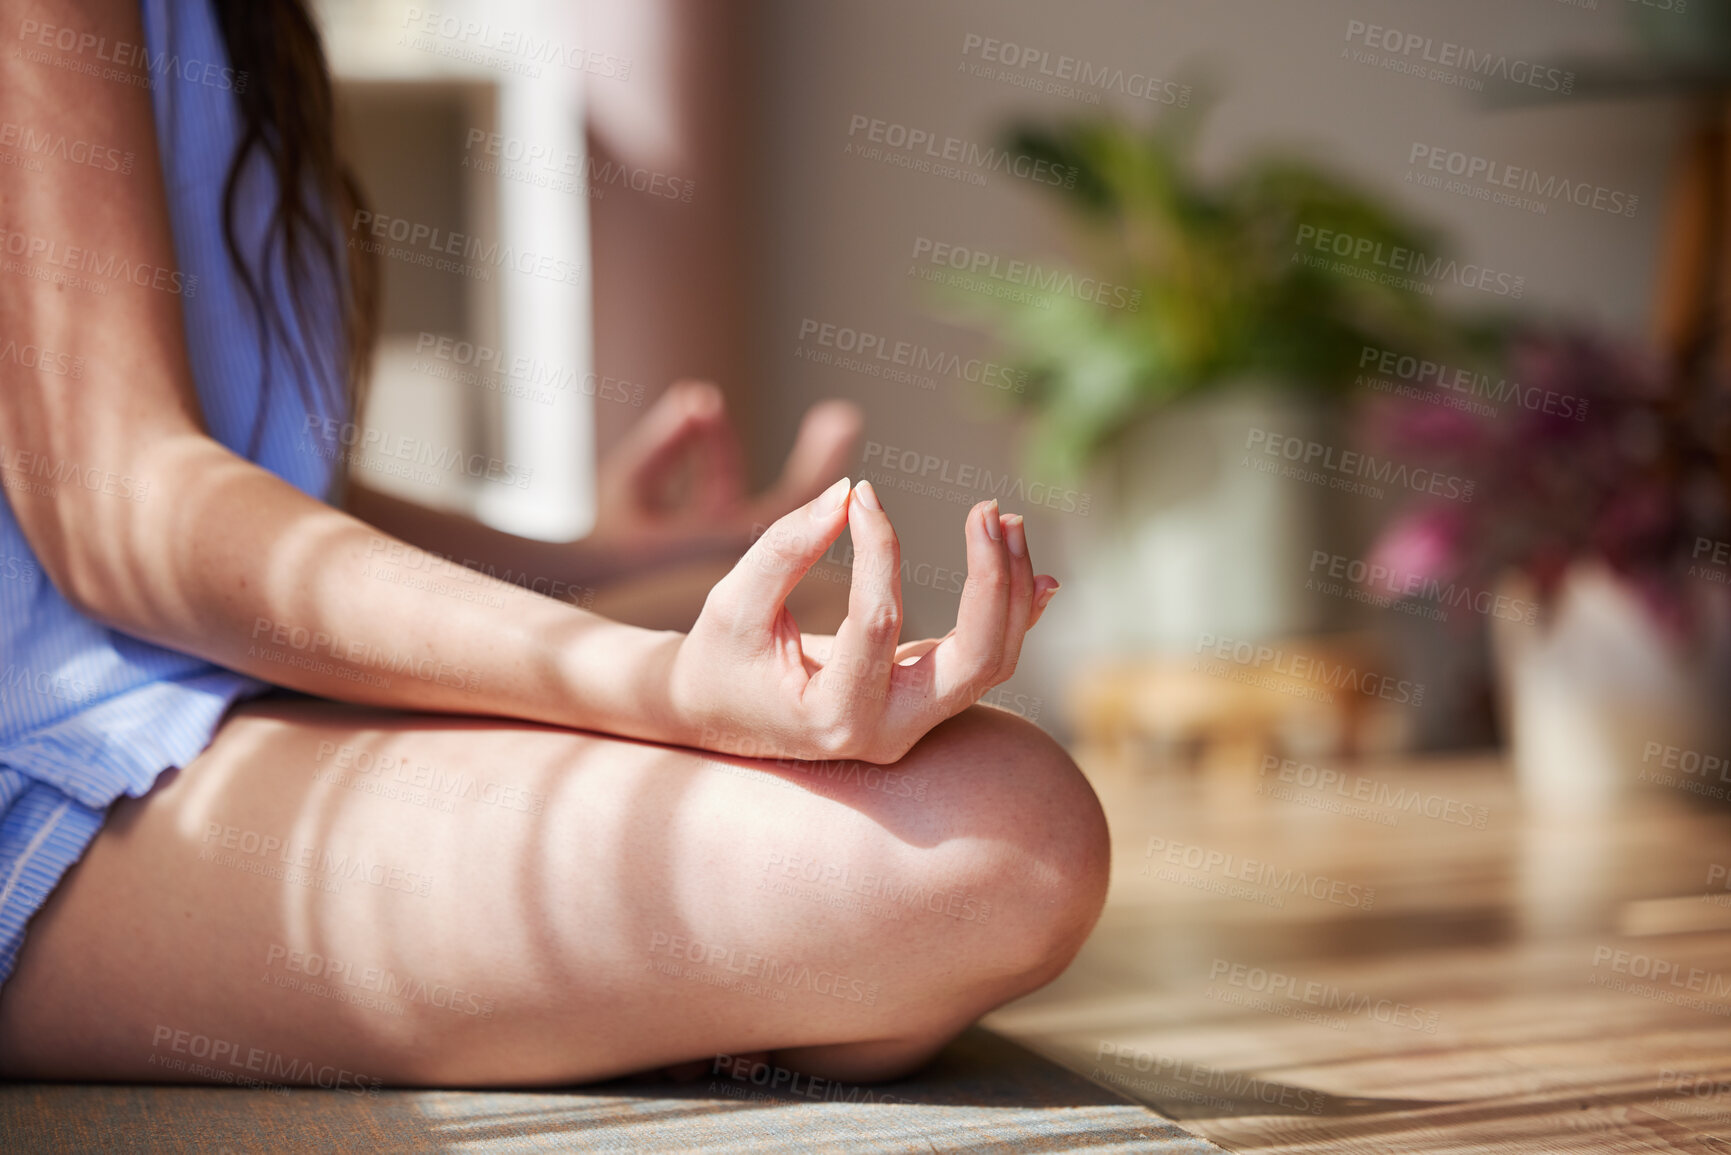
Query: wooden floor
{"points": [[1287, 973]]}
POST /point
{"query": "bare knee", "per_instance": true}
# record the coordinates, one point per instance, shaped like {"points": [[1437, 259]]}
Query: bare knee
{"points": [[1011, 845], [1052, 860], [1014, 850]]}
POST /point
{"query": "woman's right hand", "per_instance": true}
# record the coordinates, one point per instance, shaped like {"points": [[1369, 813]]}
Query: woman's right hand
{"points": [[743, 681], [675, 482]]}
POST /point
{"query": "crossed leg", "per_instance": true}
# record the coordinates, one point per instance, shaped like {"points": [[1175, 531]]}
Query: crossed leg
{"points": [[444, 901]]}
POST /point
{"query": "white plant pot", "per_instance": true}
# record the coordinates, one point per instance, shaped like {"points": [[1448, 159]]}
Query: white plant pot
{"points": [[1184, 540], [1594, 696]]}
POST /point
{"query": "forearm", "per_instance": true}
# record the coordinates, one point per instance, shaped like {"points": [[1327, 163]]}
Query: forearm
{"points": [[571, 570], [565, 570], [228, 562], [223, 559]]}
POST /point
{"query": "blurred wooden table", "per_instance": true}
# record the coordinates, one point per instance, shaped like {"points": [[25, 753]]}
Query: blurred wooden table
{"points": [[1216, 711], [1341, 959]]}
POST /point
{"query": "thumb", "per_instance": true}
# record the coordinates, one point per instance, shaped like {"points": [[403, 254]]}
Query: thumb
{"points": [[753, 592]]}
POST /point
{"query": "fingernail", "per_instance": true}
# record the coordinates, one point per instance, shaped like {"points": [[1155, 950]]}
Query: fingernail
{"points": [[1046, 597], [868, 496], [704, 398], [1015, 535], [994, 530], [835, 495]]}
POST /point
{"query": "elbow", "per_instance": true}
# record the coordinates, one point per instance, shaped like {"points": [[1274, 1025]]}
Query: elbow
{"points": [[115, 547], [86, 553], [118, 553], [83, 584]]}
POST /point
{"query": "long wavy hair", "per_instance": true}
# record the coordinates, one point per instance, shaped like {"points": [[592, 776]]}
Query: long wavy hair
{"points": [[288, 116]]}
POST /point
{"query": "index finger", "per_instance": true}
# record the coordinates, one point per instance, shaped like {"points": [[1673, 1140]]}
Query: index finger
{"points": [[860, 662], [754, 592]]}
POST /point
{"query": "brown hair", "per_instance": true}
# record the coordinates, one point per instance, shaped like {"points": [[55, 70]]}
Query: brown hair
{"points": [[288, 115]]}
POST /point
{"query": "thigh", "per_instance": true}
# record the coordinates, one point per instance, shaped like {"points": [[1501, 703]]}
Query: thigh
{"points": [[331, 893]]}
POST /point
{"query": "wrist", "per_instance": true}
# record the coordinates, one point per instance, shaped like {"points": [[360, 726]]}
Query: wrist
{"points": [[655, 696], [617, 679]]}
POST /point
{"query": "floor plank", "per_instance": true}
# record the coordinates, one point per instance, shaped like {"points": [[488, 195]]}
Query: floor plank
{"points": [[982, 1094], [1358, 966]]}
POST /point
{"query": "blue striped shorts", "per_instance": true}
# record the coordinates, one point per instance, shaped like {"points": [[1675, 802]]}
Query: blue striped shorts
{"points": [[42, 834]]}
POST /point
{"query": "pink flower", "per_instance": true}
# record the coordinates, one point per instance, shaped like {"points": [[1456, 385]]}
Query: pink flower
{"points": [[1421, 546]]}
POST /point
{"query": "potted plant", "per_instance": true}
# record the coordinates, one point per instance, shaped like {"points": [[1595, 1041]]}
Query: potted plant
{"points": [[1230, 325], [1601, 498]]}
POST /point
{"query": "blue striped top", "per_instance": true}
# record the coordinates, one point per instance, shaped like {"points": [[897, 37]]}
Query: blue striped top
{"points": [[85, 709]]}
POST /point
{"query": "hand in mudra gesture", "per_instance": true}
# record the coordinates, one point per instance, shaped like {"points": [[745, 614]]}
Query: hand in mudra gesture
{"points": [[675, 482], [745, 681]]}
